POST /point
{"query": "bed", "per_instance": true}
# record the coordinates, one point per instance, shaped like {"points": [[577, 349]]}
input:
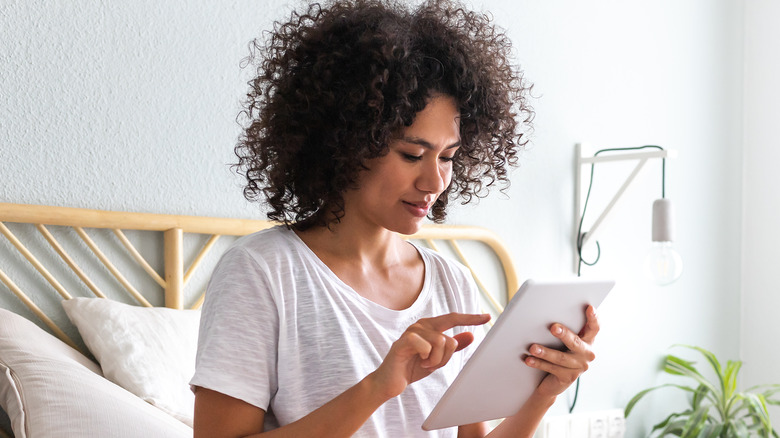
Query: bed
{"points": [[99, 317]]}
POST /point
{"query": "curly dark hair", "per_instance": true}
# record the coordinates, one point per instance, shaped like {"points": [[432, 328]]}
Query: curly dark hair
{"points": [[337, 82]]}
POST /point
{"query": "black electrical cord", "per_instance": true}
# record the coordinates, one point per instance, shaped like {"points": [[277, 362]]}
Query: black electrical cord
{"points": [[581, 235]]}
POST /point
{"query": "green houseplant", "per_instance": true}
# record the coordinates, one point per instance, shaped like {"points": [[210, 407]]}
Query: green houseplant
{"points": [[716, 408]]}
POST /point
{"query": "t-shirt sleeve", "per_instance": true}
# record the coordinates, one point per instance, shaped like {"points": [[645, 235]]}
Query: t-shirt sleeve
{"points": [[239, 332]]}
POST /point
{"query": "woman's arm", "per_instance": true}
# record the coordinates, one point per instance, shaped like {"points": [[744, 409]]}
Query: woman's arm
{"points": [[421, 350], [219, 415], [474, 430]]}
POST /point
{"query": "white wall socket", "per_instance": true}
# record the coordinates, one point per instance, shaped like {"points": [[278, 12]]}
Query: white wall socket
{"points": [[616, 424], [597, 424]]}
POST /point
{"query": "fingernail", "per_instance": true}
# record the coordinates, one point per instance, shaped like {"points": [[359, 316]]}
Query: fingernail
{"points": [[536, 350], [557, 330], [530, 361]]}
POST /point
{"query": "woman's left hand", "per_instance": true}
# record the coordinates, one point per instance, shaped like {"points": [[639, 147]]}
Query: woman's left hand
{"points": [[564, 367]]}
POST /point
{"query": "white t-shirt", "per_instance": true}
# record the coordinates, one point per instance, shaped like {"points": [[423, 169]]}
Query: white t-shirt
{"points": [[281, 331]]}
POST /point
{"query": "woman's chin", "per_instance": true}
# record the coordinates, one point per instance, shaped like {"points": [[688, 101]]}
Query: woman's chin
{"points": [[409, 228]]}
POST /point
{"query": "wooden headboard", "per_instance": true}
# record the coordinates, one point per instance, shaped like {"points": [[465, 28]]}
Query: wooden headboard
{"points": [[176, 274]]}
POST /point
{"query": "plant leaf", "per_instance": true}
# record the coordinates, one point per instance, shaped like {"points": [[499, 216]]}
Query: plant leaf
{"points": [[675, 428], [741, 429], [677, 366], [699, 395], [641, 394], [736, 405], [680, 367], [730, 378], [711, 431], [713, 362], [771, 389], [669, 420], [768, 392], [758, 410], [696, 422]]}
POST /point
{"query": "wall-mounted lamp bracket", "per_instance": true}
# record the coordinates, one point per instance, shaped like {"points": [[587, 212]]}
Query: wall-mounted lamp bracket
{"points": [[641, 156]]}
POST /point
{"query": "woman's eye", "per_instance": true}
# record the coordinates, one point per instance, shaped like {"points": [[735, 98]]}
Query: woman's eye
{"points": [[447, 159], [410, 157]]}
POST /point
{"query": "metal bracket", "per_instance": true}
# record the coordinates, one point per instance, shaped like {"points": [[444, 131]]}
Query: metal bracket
{"points": [[641, 156]]}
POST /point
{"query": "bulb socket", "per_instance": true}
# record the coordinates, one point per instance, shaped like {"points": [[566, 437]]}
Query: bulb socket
{"points": [[663, 221]]}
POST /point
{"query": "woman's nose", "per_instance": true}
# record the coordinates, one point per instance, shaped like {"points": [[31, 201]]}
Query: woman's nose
{"points": [[432, 178]]}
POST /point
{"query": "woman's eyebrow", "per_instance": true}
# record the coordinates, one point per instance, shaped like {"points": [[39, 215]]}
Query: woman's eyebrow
{"points": [[426, 144]]}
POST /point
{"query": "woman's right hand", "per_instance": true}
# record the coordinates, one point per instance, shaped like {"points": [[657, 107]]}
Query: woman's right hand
{"points": [[422, 349]]}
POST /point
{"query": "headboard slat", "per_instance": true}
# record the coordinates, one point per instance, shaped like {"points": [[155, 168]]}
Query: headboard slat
{"points": [[36, 310], [111, 268], [199, 302], [34, 261], [69, 261], [497, 307], [456, 232], [138, 257], [174, 268], [199, 258], [86, 218]]}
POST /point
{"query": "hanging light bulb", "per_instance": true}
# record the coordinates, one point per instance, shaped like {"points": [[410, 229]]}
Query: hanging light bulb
{"points": [[663, 263]]}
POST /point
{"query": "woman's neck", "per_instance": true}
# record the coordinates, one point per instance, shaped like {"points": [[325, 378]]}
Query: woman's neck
{"points": [[381, 267], [348, 242]]}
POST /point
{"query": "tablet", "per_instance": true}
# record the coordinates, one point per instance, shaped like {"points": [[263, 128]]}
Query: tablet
{"points": [[496, 382]]}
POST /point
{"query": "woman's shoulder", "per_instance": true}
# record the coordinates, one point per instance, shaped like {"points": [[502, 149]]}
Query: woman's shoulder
{"points": [[254, 259], [262, 247], [451, 280], [443, 263], [270, 240]]}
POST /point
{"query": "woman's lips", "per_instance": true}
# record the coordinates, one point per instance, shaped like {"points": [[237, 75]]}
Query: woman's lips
{"points": [[417, 209]]}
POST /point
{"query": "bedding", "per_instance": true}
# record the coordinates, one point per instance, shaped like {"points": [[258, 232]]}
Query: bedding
{"points": [[148, 351], [145, 355], [49, 389]]}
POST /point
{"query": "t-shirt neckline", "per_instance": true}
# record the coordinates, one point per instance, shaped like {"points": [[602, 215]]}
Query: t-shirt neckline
{"points": [[376, 308]]}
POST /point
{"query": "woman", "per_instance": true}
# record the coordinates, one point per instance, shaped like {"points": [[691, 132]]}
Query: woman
{"points": [[364, 119]]}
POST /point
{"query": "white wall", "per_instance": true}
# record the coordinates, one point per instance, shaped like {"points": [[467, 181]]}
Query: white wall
{"points": [[132, 106], [761, 204], [626, 74]]}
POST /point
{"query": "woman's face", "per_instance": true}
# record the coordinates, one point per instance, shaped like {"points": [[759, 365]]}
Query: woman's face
{"points": [[399, 188]]}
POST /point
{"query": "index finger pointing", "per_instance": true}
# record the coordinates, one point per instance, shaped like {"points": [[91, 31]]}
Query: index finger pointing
{"points": [[447, 321]]}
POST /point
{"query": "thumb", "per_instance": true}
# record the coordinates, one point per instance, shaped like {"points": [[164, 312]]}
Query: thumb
{"points": [[464, 340]]}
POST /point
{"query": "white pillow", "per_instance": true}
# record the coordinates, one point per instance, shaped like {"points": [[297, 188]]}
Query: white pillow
{"points": [[50, 389], [149, 351]]}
